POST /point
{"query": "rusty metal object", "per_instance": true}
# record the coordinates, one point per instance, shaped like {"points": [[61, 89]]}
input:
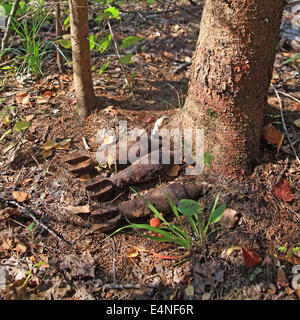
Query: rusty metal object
{"points": [[107, 218]]}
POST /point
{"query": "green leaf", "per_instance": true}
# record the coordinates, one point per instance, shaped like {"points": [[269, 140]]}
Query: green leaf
{"points": [[126, 59], [65, 43], [218, 213], [130, 41], [93, 40], [208, 158], [188, 207], [297, 56], [5, 134], [111, 12], [21, 125], [104, 67], [66, 24], [104, 43], [30, 227]]}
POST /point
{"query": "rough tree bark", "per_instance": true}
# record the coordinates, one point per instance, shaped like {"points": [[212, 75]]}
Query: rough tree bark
{"points": [[85, 97], [230, 77]]}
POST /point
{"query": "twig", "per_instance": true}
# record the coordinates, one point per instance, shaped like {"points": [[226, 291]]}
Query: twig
{"points": [[9, 22], [284, 126], [288, 95], [38, 222]]}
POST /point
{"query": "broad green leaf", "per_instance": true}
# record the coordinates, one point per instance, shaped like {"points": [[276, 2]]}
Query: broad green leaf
{"points": [[65, 43], [126, 59], [104, 43], [66, 24], [112, 12], [188, 207], [21, 125], [93, 40], [129, 41], [218, 213], [104, 67]]}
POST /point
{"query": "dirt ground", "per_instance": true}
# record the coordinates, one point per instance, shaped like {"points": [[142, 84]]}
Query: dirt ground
{"points": [[66, 259]]}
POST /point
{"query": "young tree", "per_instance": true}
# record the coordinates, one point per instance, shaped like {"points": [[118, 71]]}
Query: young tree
{"points": [[85, 97], [230, 77]]}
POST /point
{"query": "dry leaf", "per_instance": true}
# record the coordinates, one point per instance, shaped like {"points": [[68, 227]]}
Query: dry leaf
{"points": [[6, 212], [295, 106], [271, 134], [23, 97], [50, 145], [251, 257], [297, 123], [281, 279], [282, 191], [21, 196], [29, 117], [20, 247], [229, 218], [78, 209], [173, 172], [63, 145], [46, 153], [133, 253], [165, 257], [41, 100]]}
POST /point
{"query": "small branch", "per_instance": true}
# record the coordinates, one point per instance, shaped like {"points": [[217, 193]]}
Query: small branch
{"points": [[38, 222], [284, 125], [9, 22]]}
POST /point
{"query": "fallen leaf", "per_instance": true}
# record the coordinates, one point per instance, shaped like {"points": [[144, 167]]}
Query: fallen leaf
{"points": [[46, 153], [78, 209], [297, 123], [165, 257], [50, 145], [295, 106], [63, 145], [189, 290], [41, 100], [23, 97], [251, 257], [49, 93], [20, 247], [21, 196], [281, 279], [133, 253], [229, 218], [6, 212], [282, 191], [271, 134], [29, 117], [66, 77], [173, 172]]}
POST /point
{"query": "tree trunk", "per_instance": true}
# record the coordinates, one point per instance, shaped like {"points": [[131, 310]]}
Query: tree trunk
{"points": [[230, 77], [83, 83]]}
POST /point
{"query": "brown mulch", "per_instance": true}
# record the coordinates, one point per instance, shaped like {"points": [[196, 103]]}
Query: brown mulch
{"points": [[82, 264]]}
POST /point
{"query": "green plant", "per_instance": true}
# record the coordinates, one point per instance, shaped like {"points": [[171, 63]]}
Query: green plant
{"points": [[291, 251], [33, 48], [180, 235], [29, 272], [296, 57]]}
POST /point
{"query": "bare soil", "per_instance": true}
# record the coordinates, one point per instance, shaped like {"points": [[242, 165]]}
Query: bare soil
{"points": [[82, 264]]}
